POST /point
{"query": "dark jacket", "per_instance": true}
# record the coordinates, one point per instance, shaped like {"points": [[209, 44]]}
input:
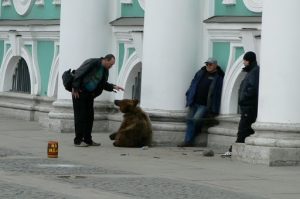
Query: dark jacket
{"points": [[248, 92], [214, 93], [86, 71]]}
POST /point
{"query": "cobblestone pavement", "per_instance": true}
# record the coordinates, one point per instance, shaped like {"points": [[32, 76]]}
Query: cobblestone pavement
{"points": [[16, 191], [37, 166], [154, 188], [127, 184], [9, 152], [108, 172]]}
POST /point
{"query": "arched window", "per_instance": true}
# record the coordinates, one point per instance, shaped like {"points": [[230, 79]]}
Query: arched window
{"points": [[21, 78]]}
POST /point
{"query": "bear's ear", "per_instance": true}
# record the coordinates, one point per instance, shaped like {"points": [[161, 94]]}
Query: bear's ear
{"points": [[135, 102]]}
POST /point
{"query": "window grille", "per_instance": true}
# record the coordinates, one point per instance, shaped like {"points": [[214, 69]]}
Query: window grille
{"points": [[136, 88], [21, 78]]}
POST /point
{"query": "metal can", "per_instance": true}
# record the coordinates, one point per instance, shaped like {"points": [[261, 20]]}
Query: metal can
{"points": [[52, 149]]}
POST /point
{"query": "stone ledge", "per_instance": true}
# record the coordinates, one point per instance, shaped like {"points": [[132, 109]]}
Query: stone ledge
{"points": [[271, 156]]}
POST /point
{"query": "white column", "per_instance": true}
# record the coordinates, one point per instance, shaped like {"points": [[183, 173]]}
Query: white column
{"points": [[84, 33], [170, 52], [277, 137], [279, 95]]}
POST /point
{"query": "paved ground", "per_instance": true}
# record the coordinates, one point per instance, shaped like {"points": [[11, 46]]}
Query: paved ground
{"points": [[107, 172]]}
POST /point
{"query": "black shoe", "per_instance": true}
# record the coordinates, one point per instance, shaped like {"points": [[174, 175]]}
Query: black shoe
{"points": [[81, 144], [92, 143], [185, 144]]}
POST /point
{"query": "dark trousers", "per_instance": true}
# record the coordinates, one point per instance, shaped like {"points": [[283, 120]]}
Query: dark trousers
{"points": [[195, 118], [248, 117], [83, 117], [245, 129]]}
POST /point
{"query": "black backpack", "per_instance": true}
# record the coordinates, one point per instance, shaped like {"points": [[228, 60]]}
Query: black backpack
{"points": [[67, 78]]}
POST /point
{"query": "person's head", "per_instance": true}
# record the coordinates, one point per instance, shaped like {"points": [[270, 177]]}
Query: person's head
{"points": [[249, 58], [108, 61], [211, 65]]}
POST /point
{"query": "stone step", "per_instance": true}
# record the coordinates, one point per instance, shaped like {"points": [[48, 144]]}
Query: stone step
{"points": [[219, 130], [221, 136], [228, 120]]}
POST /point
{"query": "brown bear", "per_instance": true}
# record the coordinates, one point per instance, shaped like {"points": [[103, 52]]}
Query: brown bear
{"points": [[135, 130]]}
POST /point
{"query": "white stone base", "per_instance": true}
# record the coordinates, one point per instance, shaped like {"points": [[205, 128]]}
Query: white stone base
{"points": [[25, 106], [220, 143], [221, 136], [164, 133], [18, 113], [273, 144], [114, 121], [168, 128], [67, 125], [61, 117], [167, 133], [271, 156]]}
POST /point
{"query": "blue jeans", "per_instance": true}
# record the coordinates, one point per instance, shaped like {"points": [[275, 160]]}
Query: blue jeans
{"points": [[195, 118]]}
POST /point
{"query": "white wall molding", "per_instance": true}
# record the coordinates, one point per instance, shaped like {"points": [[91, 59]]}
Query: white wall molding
{"points": [[130, 36], [124, 33], [54, 72], [23, 7], [229, 32], [238, 35], [254, 5], [126, 1], [6, 72], [13, 54], [6, 3], [16, 42], [209, 8], [232, 80], [35, 68], [11, 57], [224, 33], [131, 64], [8, 67], [229, 2], [56, 2], [40, 2], [138, 43], [31, 28], [123, 37], [126, 69], [248, 40], [127, 46], [142, 4]]}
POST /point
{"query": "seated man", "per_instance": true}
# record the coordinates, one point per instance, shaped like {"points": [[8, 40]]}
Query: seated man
{"points": [[203, 98]]}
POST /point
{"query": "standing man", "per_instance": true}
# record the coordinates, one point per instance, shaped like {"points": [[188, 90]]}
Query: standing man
{"points": [[248, 99], [90, 79], [203, 98]]}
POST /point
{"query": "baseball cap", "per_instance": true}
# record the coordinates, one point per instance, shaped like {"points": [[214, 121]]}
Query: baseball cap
{"points": [[211, 60]]}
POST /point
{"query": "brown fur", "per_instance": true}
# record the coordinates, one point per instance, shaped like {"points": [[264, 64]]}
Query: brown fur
{"points": [[135, 130]]}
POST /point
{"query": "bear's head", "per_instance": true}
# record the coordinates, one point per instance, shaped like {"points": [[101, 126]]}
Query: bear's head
{"points": [[127, 105]]}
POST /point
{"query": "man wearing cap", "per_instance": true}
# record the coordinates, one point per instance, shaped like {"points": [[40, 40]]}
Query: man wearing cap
{"points": [[248, 99], [203, 98]]}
